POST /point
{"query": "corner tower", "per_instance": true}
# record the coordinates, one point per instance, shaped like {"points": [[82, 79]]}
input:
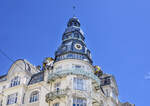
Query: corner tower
{"points": [[72, 79], [73, 45]]}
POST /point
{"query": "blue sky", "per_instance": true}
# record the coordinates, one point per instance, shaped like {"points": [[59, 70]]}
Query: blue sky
{"points": [[117, 33]]}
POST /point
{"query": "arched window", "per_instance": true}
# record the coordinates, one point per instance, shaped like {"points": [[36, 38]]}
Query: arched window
{"points": [[15, 81], [34, 96]]}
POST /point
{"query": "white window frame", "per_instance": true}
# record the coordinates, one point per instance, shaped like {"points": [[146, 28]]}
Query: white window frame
{"points": [[34, 96], [12, 99], [79, 101], [15, 81], [79, 84]]}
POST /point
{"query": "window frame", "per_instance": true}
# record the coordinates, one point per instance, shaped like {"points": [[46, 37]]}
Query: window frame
{"points": [[34, 96], [15, 81], [56, 104], [12, 98], [79, 84], [77, 101]]}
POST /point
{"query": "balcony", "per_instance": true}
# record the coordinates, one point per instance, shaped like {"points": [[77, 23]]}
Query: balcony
{"points": [[62, 73], [56, 94]]}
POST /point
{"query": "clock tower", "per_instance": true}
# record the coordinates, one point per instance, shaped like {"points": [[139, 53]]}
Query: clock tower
{"points": [[73, 45]]}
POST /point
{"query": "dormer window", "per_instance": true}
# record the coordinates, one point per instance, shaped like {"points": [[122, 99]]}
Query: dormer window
{"points": [[15, 81]]}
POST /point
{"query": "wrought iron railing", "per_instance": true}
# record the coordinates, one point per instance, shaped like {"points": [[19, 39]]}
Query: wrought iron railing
{"points": [[56, 94], [53, 76]]}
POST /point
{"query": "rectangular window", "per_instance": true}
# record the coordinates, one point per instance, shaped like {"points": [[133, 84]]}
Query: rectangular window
{"points": [[79, 102], [12, 99], [56, 104], [75, 66], [79, 84]]}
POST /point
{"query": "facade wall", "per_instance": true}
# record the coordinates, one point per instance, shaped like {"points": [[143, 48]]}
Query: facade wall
{"points": [[93, 96]]}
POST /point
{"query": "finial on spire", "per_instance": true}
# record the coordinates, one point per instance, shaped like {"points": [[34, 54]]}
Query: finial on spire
{"points": [[74, 7]]}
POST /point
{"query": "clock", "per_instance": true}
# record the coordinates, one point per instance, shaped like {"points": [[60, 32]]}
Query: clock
{"points": [[78, 46]]}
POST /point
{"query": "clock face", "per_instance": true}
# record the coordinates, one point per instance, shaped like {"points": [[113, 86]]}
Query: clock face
{"points": [[78, 46]]}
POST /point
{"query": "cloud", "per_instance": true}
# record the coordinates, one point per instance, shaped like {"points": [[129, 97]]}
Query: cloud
{"points": [[147, 76]]}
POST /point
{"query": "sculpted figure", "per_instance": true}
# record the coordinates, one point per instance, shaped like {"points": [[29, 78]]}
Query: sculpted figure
{"points": [[48, 63]]}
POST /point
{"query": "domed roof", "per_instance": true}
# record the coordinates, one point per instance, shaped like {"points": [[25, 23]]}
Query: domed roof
{"points": [[73, 45]]}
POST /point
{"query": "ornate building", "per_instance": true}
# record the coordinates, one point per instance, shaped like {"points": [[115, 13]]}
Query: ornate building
{"points": [[70, 79]]}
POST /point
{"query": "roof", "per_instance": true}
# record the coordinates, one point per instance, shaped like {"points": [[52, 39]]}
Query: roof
{"points": [[3, 78], [38, 77]]}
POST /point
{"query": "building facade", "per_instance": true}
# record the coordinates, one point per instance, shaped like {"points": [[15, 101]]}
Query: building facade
{"points": [[70, 79]]}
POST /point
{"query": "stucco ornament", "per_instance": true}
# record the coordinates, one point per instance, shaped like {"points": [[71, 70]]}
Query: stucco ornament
{"points": [[48, 63], [98, 72]]}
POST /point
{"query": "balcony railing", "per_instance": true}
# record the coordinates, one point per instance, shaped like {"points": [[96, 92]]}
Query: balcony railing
{"points": [[56, 94], [63, 73]]}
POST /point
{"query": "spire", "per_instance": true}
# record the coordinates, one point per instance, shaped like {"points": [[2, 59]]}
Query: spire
{"points": [[74, 8], [73, 45]]}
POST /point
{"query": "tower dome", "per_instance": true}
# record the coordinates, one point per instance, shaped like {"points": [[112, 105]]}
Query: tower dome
{"points": [[73, 45]]}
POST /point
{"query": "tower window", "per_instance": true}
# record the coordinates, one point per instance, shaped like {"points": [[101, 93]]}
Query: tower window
{"points": [[15, 81], [70, 56], [12, 99], [79, 84], [74, 66], [79, 102], [76, 35], [34, 96]]}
